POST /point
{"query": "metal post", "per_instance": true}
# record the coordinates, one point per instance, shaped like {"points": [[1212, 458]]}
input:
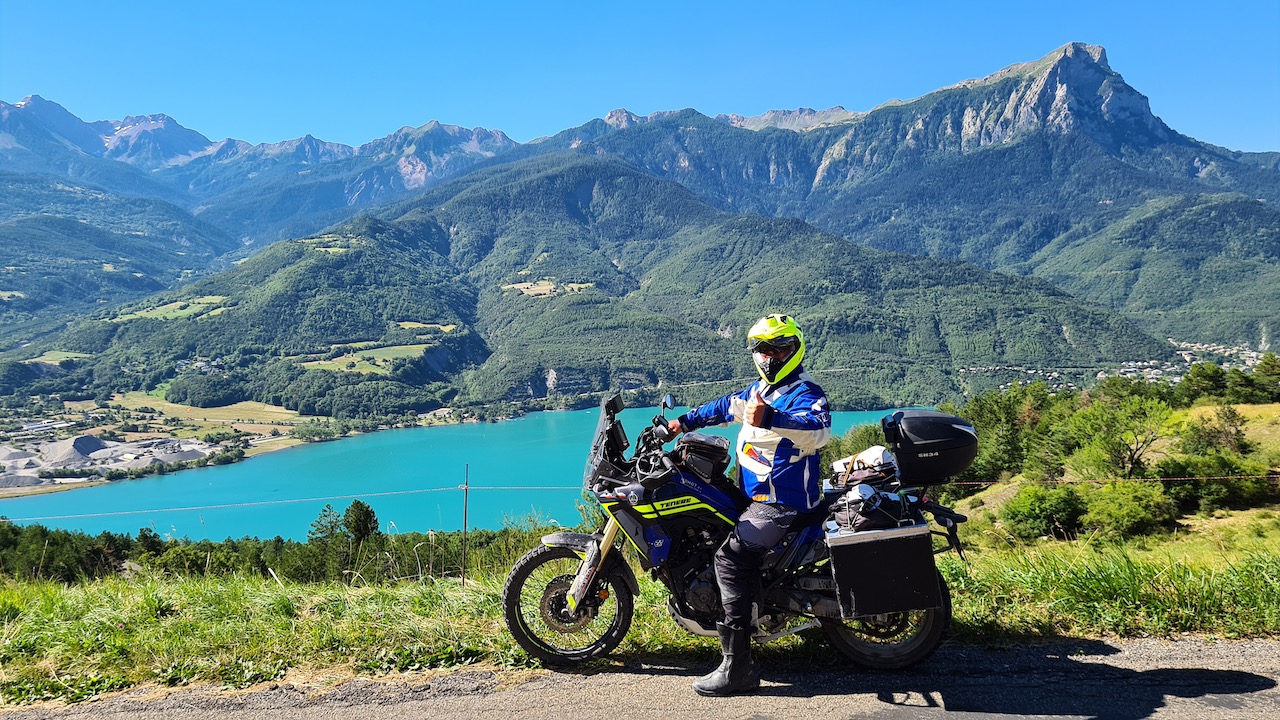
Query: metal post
{"points": [[466, 499]]}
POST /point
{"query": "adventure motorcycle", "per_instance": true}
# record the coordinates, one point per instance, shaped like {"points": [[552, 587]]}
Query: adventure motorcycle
{"points": [[875, 593]]}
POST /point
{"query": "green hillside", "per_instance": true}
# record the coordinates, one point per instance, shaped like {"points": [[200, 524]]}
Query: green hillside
{"points": [[565, 275], [996, 172], [257, 326], [633, 251], [1201, 266], [70, 249], [1056, 155]]}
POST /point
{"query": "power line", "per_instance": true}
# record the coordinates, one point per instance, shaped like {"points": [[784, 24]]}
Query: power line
{"points": [[1129, 479]]}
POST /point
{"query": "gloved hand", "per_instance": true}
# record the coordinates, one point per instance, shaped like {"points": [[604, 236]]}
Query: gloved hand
{"points": [[757, 411]]}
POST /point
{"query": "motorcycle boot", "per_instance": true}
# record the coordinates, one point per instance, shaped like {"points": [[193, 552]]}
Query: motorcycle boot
{"points": [[737, 673]]}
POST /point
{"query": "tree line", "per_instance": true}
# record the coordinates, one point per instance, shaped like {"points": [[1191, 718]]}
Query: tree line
{"points": [[1109, 461], [348, 546]]}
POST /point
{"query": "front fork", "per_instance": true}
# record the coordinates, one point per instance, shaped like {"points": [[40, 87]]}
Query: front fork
{"points": [[592, 563]]}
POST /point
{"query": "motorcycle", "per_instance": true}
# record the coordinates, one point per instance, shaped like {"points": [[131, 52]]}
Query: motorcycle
{"points": [[874, 593]]}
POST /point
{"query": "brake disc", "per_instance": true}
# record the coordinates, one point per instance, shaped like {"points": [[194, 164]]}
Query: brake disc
{"points": [[885, 626], [555, 607]]}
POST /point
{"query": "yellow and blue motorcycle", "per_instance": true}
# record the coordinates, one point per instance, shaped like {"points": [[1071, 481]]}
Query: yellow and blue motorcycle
{"points": [[872, 588]]}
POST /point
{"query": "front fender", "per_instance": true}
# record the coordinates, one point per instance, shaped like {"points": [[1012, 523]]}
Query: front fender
{"points": [[581, 543], [572, 540]]}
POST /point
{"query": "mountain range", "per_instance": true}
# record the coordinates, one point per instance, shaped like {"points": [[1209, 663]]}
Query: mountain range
{"points": [[1040, 217]]}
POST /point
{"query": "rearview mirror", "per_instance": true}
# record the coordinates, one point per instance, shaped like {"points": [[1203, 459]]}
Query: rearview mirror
{"points": [[668, 402]]}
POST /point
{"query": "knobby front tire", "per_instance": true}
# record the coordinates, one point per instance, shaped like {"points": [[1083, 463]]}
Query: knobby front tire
{"points": [[535, 606], [892, 641]]}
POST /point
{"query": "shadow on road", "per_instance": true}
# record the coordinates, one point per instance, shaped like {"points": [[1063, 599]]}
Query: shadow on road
{"points": [[1070, 679]]}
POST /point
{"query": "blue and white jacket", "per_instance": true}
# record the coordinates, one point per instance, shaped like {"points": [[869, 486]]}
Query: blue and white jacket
{"points": [[778, 462]]}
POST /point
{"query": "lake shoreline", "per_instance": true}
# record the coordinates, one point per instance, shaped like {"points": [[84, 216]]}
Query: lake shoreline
{"points": [[419, 478], [260, 444]]}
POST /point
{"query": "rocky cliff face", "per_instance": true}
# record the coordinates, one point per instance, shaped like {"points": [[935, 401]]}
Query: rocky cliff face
{"points": [[800, 120], [413, 157], [147, 141], [424, 155], [151, 141], [1071, 90]]}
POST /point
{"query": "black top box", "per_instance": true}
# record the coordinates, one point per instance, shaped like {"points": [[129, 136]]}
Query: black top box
{"points": [[931, 447]]}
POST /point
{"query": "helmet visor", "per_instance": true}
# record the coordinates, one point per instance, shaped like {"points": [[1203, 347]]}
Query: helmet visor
{"points": [[774, 346]]}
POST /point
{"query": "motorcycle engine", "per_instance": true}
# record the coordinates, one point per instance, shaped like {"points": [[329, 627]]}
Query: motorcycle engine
{"points": [[703, 595]]}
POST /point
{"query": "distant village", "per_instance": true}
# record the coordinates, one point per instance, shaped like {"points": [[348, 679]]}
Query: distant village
{"points": [[1236, 356], [1239, 356]]}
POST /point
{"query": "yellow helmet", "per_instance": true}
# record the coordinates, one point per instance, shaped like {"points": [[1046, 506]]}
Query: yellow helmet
{"points": [[777, 346]]}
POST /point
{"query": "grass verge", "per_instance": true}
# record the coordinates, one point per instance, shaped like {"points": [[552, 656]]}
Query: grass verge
{"points": [[73, 642]]}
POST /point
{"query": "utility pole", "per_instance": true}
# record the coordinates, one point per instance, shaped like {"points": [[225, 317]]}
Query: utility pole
{"points": [[466, 499]]}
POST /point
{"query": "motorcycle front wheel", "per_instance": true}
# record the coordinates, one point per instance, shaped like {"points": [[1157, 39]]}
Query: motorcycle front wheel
{"points": [[894, 640], [536, 608]]}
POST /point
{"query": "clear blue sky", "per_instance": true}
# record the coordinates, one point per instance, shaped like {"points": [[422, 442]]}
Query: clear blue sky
{"points": [[351, 72]]}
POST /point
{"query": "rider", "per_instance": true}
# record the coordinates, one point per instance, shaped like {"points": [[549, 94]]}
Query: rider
{"points": [[785, 421]]}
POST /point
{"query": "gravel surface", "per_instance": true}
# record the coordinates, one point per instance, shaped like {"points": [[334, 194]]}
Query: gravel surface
{"points": [[1079, 679]]}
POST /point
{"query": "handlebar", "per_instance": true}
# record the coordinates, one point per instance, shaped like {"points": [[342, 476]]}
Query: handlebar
{"points": [[661, 431], [943, 512]]}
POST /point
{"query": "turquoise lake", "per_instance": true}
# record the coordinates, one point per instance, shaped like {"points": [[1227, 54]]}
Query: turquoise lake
{"points": [[412, 478]]}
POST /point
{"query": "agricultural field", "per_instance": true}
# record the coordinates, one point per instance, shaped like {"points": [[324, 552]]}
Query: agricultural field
{"points": [[410, 325], [247, 411], [254, 418], [546, 288], [204, 305], [53, 357], [375, 360]]}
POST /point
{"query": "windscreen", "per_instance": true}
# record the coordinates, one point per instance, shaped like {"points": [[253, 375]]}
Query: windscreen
{"points": [[598, 440]]}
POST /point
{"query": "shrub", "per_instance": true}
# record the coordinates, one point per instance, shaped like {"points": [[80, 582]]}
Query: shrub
{"points": [[1122, 510], [1040, 511], [1223, 490]]}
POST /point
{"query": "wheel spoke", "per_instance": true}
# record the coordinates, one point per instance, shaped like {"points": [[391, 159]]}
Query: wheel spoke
{"points": [[891, 640], [545, 609], [536, 607]]}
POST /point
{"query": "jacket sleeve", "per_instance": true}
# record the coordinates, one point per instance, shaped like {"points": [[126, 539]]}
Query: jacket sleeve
{"points": [[806, 421], [721, 411], [807, 412]]}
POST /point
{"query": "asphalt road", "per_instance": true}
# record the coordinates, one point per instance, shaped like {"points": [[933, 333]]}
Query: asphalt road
{"points": [[1080, 679]]}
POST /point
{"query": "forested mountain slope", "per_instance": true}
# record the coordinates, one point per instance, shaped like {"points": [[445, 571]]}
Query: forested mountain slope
{"points": [[1184, 266], [69, 249], [563, 275], [992, 171]]}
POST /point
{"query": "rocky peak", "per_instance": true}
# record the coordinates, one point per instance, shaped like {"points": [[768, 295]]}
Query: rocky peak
{"points": [[438, 138], [1072, 89], [800, 119], [89, 137], [307, 149], [152, 141], [621, 119]]}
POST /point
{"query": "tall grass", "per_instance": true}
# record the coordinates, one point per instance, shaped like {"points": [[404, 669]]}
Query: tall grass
{"points": [[75, 641], [72, 641], [1082, 590]]}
